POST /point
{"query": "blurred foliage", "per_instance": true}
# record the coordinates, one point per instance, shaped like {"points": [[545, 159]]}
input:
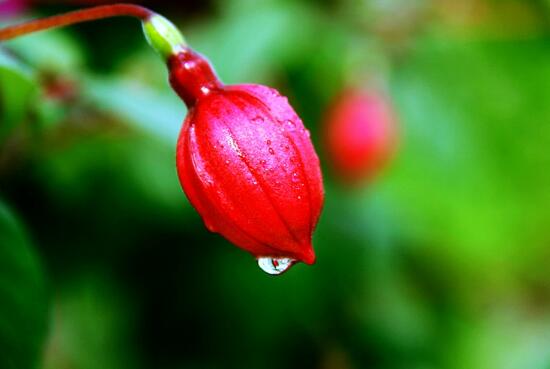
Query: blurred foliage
{"points": [[442, 262], [92, 326], [23, 298], [17, 87]]}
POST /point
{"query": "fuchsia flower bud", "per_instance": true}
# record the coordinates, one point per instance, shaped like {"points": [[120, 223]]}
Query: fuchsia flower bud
{"points": [[360, 134], [247, 165], [244, 158]]}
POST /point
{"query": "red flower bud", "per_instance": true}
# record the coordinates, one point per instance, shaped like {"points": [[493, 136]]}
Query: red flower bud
{"points": [[360, 134], [247, 165]]}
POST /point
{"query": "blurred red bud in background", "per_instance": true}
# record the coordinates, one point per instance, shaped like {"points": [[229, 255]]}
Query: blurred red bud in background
{"points": [[360, 134]]}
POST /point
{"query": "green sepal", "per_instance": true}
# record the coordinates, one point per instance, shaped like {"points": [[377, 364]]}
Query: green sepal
{"points": [[163, 36]]}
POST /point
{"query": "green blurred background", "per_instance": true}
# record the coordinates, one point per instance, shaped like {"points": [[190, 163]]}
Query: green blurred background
{"points": [[442, 262]]}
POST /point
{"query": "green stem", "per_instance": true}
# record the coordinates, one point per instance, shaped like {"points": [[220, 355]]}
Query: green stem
{"points": [[161, 34]]}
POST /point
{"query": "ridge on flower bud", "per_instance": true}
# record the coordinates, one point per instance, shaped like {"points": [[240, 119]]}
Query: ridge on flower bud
{"points": [[247, 165], [360, 134]]}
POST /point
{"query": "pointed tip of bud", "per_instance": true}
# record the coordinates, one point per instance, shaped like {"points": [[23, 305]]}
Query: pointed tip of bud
{"points": [[308, 255], [163, 36]]}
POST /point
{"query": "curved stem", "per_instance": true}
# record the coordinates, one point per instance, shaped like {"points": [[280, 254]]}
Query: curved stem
{"points": [[77, 16]]}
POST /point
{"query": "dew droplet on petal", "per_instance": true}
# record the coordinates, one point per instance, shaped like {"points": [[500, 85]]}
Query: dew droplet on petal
{"points": [[275, 266], [271, 151]]}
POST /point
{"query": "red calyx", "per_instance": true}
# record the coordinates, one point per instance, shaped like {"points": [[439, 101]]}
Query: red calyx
{"points": [[360, 134], [246, 163], [191, 76]]}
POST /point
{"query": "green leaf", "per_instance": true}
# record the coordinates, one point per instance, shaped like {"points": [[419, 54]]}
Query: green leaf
{"points": [[282, 33], [23, 298], [17, 90], [54, 50], [159, 113]]}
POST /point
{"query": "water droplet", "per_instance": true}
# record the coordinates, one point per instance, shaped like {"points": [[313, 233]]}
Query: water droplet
{"points": [[275, 266], [271, 151], [258, 119], [308, 134], [268, 142], [290, 124], [189, 65], [295, 177], [299, 197], [227, 161], [263, 162]]}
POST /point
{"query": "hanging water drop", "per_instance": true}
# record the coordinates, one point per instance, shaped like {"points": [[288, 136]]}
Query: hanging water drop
{"points": [[275, 266]]}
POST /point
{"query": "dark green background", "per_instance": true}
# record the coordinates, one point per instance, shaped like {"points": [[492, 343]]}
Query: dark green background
{"points": [[442, 262]]}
